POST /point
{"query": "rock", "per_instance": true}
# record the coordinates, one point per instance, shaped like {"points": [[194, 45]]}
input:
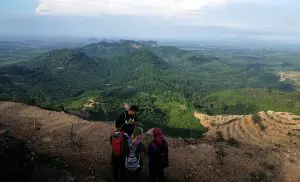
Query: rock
{"points": [[218, 170], [210, 167], [46, 140], [191, 140], [192, 147], [70, 179], [5, 132], [91, 178], [2, 132], [186, 176]]}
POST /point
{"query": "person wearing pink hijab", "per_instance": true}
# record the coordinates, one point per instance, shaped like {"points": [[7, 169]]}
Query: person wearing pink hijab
{"points": [[158, 156], [158, 136]]}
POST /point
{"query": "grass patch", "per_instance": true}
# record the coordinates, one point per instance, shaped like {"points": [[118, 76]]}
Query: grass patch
{"points": [[248, 101], [233, 142], [296, 119], [257, 120]]}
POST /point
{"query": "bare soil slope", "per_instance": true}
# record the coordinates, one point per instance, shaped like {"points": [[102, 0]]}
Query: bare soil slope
{"points": [[86, 147], [290, 75], [274, 130]]}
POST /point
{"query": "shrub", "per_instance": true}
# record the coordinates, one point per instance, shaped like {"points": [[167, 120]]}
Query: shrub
{"points": [[220, 154], [220, 137], [262, 126], [257, 176], [257, 120], [296, 119], [233, 142]]}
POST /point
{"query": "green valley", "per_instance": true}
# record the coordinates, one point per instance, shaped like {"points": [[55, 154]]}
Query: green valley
{"points": [[168, 83]]}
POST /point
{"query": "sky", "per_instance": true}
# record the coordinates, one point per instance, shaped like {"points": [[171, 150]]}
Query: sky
{"points": [[154, 19]]}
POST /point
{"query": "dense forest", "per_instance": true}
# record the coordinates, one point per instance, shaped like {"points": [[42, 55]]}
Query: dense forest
{"points": [[168, 83]]}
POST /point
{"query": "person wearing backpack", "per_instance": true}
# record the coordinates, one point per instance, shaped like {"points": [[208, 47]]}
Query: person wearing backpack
{"points": [[133, 161], [128, 120], [118, 141], [158, 154]]}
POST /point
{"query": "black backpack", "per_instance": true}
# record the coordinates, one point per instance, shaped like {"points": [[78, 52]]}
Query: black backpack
{"points": [[162, 154]]}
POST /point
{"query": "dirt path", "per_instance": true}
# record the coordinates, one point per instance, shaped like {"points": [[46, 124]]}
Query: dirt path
{"points": [[87, 149]]}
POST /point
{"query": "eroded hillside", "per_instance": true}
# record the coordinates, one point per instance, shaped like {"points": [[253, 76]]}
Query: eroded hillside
{"points": [[269, 129]]}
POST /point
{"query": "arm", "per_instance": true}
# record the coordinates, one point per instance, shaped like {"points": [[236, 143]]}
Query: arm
{"points": [[150, 151], [135, 123], [143, 149], [142, 153], [120, 121]]}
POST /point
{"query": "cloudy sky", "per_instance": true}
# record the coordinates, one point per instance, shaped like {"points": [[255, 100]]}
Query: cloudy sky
{"points": [[160, 19]]}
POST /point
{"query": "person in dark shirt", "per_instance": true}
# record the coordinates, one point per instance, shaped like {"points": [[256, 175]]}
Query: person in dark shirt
{"points": [[157, 161], [128, 120]]}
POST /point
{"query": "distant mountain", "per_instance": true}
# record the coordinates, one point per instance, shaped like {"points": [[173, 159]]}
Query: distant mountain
{"points": [[110, 49], [61, 58], [65, 73]]}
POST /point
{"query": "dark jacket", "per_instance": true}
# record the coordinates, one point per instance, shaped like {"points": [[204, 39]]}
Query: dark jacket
{"points": [[127, 121], [153, 157]]}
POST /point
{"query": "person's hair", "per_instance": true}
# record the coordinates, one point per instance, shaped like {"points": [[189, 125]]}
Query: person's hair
{"points": [[137, 131], [134, 108]]}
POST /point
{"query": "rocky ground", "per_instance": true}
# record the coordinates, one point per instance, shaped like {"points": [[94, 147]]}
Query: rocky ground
{"points": [[84, 147], [19, 162]]}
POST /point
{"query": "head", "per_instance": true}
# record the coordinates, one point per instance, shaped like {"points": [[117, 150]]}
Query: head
{"points": [[158, 135], [133, 110], [119, 127], [137, 134]]}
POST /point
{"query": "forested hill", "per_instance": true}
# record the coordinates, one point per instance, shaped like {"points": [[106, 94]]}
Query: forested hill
{"points": [[168, 83]]}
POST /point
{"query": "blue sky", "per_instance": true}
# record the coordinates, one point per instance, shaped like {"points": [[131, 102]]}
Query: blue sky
{"points": [[155, 19], [18, 6]]}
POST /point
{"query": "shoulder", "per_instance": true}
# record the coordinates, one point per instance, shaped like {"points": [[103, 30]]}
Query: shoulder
{"points": [[124, 113], [165, 142], [141, 146], [152, 146]]}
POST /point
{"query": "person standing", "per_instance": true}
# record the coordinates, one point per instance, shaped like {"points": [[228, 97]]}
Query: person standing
{"points": [[158, 156], [134, 157], [118, 140], [128, 120]]}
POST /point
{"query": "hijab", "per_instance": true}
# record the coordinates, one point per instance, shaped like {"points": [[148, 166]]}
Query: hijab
{"points": [[158, 135]]}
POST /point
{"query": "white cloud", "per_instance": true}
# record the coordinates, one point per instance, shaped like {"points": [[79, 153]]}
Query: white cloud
{"points": [[162, 8]]}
